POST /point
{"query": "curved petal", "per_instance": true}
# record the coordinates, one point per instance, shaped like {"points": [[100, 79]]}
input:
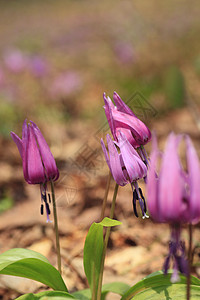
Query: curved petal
{"points": [[140, 131], [17, 141], [171, 185], [109, 106], [194, 184], [134, 165], [24, 149], [46, 155], [128, 135], [121, 106], [105, 153], [33, 167], [152, 184], [115, 163]]}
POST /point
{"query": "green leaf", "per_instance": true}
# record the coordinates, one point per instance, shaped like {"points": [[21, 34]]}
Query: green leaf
{"points": [[107, 222], [93, 250], [114, 287], [30, 264], [158, 286], [92, 254], [174, 291], [47, 295], [82, 295]]}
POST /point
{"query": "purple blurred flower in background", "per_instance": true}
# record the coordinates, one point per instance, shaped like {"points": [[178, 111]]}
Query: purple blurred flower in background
{"points": [[122, 119], [126, 166], [173, 196], [125, 53], [66, 84], [39, 165], [15, 60], [38, 66]]}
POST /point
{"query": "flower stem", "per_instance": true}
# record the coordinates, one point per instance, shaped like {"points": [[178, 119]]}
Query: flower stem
{"points": [[189, 261], [107, 235], [106, 196], [56, 227]]}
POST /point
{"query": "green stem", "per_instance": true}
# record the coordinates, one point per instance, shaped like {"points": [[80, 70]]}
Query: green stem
{"points": [[56, 227], [106, 243], [105, 196], [189, 262]]}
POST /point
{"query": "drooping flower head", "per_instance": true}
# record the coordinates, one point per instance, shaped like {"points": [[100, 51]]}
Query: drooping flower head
{"points": [[122, 119], [39, 165], [173, 194], [126, 166]]}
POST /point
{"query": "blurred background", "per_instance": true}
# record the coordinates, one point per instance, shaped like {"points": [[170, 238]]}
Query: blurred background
{"points": [[56, 60]]}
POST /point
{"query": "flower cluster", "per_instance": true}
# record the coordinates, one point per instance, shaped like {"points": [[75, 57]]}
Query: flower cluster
{"points": [[130, 135], [39, 165], [173, 195], [172, 192]]}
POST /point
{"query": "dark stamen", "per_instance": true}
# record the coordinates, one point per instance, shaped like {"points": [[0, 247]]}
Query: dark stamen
{"points": [[42, 209], [135, 197], [49, 196], [44, 197], [47, 208], [142, 196]]}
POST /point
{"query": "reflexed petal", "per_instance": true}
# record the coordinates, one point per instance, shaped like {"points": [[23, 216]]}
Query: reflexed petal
{"points": [[46, 155], [33, 167], [105, 153], [152, 184], [134, 165], [24, 150], [194, 184], [171, 189], [115, 163], [121, 106], [17, 141], [109, 106]]}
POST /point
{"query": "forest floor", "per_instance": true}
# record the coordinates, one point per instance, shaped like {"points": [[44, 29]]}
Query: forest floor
{"points": [[136, 248]]}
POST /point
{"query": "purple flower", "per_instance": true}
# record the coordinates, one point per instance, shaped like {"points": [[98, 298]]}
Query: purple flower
{"points": [[15, 61], [122, 119], [173, 195], [38, 66], [39, 165], [125, 53], [126, 166], [66, 84]]}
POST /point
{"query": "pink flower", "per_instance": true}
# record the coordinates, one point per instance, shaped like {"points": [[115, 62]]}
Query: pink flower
{"points": [[15, 60], [39, 165], [126, 166], [173, 195], [38, 66], [66, 84], [122, 119]]}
